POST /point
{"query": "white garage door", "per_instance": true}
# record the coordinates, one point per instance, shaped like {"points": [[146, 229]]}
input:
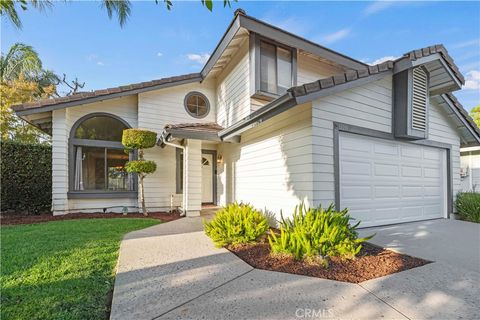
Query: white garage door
{"points": [[384, 182]]}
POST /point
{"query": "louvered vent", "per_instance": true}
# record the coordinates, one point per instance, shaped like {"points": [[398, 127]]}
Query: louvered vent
{"points": [[419, 99]]}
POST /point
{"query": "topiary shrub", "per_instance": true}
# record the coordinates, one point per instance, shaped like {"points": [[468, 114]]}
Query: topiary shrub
{"points": [[316, 233], [139, 139], [468, 206], [236, 224], [26, 178]]}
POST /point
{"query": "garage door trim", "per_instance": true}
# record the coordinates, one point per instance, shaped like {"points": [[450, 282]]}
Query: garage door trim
{"points": [[342, 127]]}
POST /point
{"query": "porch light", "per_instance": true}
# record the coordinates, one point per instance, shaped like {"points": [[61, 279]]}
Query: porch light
{"points": [[219, 159]]}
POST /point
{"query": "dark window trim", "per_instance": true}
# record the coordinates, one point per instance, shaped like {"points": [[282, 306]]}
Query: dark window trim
{"points": [[207, 102], [72, 142], [101, 194], [342, 127], [214, 173], [178, 173], [254, 56]]}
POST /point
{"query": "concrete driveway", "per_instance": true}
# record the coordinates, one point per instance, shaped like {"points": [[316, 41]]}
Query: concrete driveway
{"points": [[173, 271]]}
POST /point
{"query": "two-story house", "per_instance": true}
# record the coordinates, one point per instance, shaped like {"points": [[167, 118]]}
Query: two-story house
{"points": [[272, 119]]}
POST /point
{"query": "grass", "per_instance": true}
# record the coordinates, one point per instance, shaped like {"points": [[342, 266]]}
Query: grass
{"points": [[62, 269]]}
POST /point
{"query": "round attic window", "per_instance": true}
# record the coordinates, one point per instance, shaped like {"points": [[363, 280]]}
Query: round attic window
{"points": [[197, 104]]}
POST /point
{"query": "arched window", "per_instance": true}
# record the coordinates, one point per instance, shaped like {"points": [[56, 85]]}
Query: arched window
{"points": [[97, 157]]}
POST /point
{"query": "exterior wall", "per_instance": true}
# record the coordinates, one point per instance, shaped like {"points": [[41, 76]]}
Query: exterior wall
{"points": [[272, 166], [310, 69], [63, 120], [155, 110], [368, 106], [471, 160], [192, 175], [233, 89], [442, 129]]}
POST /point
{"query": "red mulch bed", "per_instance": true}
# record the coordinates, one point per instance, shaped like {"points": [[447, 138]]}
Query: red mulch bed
{"points": [[24, 219], [372, 262]]}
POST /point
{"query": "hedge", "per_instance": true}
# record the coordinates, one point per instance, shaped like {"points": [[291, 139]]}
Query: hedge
{"points": [[26, 178]]}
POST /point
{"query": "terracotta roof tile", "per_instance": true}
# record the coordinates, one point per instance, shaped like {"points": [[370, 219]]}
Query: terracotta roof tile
{"points": [[341, 78], [104, 92]]}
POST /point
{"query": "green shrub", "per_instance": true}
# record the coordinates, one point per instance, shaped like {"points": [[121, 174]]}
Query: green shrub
{"points": [[236, 224], [316, 233], [468, 206], [141, 166], [139, 138], [26, 178]]}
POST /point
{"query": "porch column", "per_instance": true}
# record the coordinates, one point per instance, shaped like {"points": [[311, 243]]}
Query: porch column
{"points": [[192, 178]]}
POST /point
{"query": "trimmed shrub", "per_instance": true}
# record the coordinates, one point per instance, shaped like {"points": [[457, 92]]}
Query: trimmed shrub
{"points": [[468, 206], [141, 166], [139, 139], [26, 178], [317, 233], [236, 224]]}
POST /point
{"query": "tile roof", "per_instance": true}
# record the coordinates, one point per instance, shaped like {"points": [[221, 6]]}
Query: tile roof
{"points": [[105, 92], [439, 48], [463, 112], [203, 127], [341, 78]]}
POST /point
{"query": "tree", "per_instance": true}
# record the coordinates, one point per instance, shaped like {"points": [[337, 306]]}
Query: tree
{"points": [[139, 139], [120, 8], [23, 79], [476, 115], [21, 91]]}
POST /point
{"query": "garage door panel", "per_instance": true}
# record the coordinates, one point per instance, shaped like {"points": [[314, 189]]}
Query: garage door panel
{"points": [[385, 149], [391, 181], [386, 192], [356, 168], [411, 152], [411, 171], [358, 192], [382, 169]]}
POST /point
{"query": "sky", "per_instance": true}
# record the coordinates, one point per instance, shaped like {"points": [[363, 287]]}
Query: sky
{"points": [[77, 37]]}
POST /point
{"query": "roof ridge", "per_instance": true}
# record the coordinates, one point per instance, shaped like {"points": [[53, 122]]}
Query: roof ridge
{"points": [[104, 92], [340, 78]]}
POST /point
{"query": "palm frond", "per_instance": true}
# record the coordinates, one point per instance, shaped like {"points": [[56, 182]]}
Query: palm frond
{"points": [[121, 8], [8, 10]]}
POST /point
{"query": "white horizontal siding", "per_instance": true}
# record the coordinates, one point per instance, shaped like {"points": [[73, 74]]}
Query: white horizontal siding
{"points": [[442, 129], [63, 120], [271, 168], [233, 89], [368, 106], [157, 109], [310, 69]]}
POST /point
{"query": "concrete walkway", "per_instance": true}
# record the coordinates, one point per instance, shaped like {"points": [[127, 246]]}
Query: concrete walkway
{"points": [[173, 271]]}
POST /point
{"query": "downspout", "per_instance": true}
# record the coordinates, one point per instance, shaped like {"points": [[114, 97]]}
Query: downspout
{"points": [[167, 143]]}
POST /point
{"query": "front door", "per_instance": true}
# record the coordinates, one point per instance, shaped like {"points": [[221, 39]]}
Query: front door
{"points": [[207, 177]]}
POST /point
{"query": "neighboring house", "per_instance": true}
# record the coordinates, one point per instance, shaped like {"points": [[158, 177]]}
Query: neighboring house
{"points": [[272, 119], [470, 169]]}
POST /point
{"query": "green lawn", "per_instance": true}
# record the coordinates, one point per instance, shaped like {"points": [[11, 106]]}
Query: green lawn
{"points": [[62, 269]]}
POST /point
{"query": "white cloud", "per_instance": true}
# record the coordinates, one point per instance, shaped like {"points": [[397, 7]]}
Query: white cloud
{"points": [[337, 35], [92, 57], [377, 6], [100, 63], [295, 25], [465, 44], [382, 59], [472, 80], [159, 54], [199, 58]]}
